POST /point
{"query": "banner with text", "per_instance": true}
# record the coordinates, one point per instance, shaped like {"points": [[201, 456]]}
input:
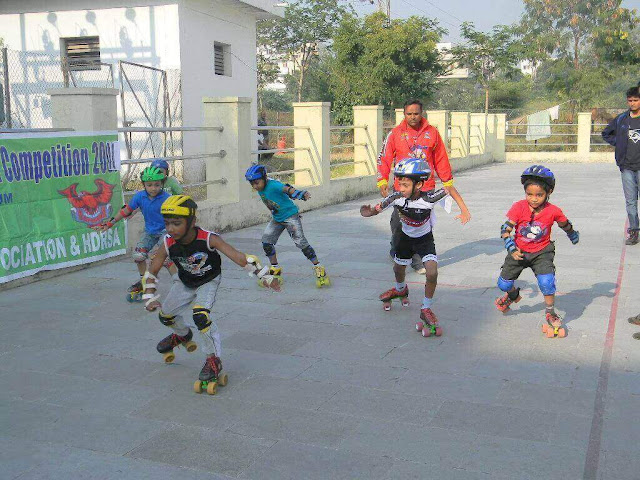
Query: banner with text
{"points": [[53, 188]]}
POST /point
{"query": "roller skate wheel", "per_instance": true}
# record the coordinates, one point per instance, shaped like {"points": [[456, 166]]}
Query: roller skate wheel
{"points": [[405, 302], [211, 388], [191, 347], [438, 331], [419, 326], [562, 333], [169, 357], [545, 326], [223, 380], [426, 332], [386, 306], [197, 386]]}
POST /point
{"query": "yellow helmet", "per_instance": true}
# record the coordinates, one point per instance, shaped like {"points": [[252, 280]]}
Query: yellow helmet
{"points": [[179, 205]]}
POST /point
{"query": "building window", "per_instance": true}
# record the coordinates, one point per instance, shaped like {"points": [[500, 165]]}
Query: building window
{"points": [[222, 59], [80, 53]]}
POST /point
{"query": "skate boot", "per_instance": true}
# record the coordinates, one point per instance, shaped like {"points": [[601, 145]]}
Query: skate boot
{"points": [[168, 343], [553, 326], [507, 299], [392, 294], [322, 278], [429, 324], [210, 376], [276, 272], [135, 291]]}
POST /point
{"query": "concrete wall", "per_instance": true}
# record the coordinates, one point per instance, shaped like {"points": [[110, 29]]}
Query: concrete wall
{"points": [[560, 157]]}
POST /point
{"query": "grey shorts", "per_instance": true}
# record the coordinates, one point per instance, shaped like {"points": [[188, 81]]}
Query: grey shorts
{"points": [[293, 226], [180, 297], [540, 262]]}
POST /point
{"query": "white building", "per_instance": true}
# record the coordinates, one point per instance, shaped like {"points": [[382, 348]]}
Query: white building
{"points": [[446, 57], [207, 46]]}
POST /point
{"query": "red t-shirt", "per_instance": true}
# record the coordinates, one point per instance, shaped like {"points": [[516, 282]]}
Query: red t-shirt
{"points": [[533, 234]]}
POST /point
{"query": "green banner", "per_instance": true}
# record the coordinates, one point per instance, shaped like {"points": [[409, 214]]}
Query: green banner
{"points": [[53, 188]]}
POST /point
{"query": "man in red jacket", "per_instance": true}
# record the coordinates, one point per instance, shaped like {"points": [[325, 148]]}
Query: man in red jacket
{"points": [[416, 138]]}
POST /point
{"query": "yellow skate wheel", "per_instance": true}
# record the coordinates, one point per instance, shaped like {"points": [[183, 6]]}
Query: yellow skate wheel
{"points": [[169, 357], [211, 388], [223, 379], [191, 346], [197, 386]]}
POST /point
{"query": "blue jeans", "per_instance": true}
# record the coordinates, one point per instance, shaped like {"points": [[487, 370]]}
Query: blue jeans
{"points": [[630, 186]]}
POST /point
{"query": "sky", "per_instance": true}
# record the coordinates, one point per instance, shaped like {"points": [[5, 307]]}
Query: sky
{"points": [[451, 13]]}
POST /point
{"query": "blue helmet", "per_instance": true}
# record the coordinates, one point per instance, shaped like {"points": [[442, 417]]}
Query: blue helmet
{"points": [[414, 168], [160, 163], [256, 172], [539, 173]]}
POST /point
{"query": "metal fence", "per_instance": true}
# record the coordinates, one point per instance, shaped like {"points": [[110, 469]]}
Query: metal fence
{"points": [[562, 138]]}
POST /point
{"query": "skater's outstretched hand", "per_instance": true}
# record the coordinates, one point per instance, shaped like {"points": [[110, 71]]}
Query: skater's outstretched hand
{"points": [[464, 216], [517, 254], [368, 211]]}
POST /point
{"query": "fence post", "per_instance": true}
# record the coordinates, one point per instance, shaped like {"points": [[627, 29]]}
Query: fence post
{"points": [[399, 115], [459, 134], [584, 134], [477, 133], [371, 137], [439, 119], [491, 133], [499, 141], [7, 93], [233, 114], [315, 140], [84, 109]]}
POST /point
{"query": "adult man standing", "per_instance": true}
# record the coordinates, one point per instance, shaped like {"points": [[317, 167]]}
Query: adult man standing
{"points": [[623, 132], [414, 137]]}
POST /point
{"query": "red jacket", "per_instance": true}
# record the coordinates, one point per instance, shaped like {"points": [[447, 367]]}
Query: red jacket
{"points": [[404, 142]]}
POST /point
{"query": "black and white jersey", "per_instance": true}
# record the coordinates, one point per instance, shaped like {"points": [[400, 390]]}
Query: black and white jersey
{"points": [[416, 215], [197, 262]]}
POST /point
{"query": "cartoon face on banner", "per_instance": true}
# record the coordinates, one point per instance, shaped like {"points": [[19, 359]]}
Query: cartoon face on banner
{"points": [[90, 208]]}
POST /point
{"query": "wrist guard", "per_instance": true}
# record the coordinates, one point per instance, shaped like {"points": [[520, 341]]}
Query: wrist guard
{"points": [[253, 266], [574, 236], [509, 244], [149, 281], [125, 211]]}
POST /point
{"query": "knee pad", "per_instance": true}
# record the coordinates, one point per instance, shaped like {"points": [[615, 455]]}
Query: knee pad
{"points": [[201, 318], [139, 255], [269, 249], [505, 285], [166, 320], [309, 252], [547, 283]]}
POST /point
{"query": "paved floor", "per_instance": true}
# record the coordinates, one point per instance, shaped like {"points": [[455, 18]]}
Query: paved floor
{"points": [[323, 383]]}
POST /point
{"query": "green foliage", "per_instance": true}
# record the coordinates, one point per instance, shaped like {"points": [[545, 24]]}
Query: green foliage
{"points": [[574, 25], [457, 94], [376, 62], [307, 24], [275, 100]]}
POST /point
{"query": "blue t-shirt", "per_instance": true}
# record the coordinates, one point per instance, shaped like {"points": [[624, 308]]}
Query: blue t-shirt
{"points": [[150, 207], [281, 206]]}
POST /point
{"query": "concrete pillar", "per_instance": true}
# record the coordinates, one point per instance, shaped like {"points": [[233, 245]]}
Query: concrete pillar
{"points": [[233, 114], [315, 140], [499, 142], [459, 134], [440, 120], [366, 156], [492, 122], [477, 133], [399, 115], [84, 109], [584, 134]]}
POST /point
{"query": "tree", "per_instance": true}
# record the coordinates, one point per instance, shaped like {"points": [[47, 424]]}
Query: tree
{"points": [[486, 54], [575, 24], [307, 24], [374, 63]]}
